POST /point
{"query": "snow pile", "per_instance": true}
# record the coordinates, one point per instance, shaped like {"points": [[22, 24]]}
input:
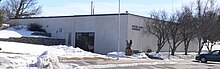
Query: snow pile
{"points": [[17, 31], [23, 48], [9, 33], [59, 50], [70, 52], [12, 61], [122, 55], [4, 62], [48, 60], [177, 56], [22, 55]]}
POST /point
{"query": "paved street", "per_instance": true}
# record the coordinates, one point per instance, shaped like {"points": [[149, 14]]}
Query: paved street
{"points": [[147, 64], [193, 65], [171, 66]]}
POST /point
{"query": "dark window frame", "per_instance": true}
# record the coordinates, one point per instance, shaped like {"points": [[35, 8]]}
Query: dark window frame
{"points": [[87, 36]]}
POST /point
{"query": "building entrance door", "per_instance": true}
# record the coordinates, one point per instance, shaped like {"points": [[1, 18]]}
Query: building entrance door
{"points": [[85, 41]]}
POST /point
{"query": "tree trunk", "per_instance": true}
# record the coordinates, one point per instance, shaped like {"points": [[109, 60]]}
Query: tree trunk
{"points": [[211, 48], [200, 46], [207, 46], [170, 46], [159, 47], [173, 51], [186, 51], [158, 50], [212, 44], [186, 44]]}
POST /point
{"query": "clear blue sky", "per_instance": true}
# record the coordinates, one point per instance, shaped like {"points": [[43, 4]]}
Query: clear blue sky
{"points": [[63, 2], [82, 7]]}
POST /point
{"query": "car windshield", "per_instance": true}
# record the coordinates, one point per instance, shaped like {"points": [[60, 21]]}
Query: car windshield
{"points": [[214, 52]]}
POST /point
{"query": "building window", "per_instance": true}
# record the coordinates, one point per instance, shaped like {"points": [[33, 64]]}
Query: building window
{"points": [[85, 41]]}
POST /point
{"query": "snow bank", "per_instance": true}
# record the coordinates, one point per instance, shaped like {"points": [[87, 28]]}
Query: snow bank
{"points": [[21, 55], [59, 50], [71, 52], [177, 56], [17, 31], [8, 33], [4, 62], [122, 55], [48, 60], [22, 48]]}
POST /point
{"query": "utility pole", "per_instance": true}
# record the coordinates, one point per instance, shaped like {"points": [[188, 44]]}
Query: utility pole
{"points": [[168, 37], [92, 8], [119, 7]]}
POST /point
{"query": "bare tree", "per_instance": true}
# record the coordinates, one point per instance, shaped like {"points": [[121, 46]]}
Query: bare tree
{"points": [[187, 29], [157, 26], [21, 8], [174, 36], [1, 16], [181, 27], [206, 19], [213, 29]]}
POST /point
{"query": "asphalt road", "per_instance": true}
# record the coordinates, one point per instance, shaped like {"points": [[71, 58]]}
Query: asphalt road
{"points": [[147, 64], [193, 65]]}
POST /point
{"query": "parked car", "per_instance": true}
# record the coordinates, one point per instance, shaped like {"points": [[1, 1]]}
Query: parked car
{"points": [[211, 56]]}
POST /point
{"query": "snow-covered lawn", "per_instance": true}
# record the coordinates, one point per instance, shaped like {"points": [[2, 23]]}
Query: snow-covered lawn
{"points": [[24, 56], [122, 56], [17, 31], [18, 55]]}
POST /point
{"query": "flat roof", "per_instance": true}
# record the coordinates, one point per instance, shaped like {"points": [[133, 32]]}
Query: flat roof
{"points": [[80, 16]]}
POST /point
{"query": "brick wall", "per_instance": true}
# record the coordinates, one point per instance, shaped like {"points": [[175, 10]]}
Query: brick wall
{"points": [[34, 40]]}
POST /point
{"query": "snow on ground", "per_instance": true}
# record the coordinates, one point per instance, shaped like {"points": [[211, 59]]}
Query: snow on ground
{"points": [[122, 56], [177, 56], [17, 31], [19, 55], [23, 56], [215, 47], [163, 55]]}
